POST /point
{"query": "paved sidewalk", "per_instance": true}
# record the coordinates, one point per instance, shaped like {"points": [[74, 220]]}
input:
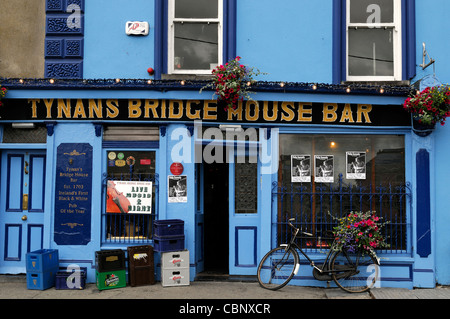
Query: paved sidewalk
{"points": [[14, 287]]}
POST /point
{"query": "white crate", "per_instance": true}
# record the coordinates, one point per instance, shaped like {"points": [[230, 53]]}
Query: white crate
{"points": [[175, 259], [175, 277]]}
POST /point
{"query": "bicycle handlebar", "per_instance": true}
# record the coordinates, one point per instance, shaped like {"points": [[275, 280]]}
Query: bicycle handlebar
{"points": [[297, 229]]}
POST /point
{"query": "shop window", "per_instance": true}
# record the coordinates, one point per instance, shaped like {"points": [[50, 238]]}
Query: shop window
{"points": [[374, 40], [323, 177], [131, 190]]}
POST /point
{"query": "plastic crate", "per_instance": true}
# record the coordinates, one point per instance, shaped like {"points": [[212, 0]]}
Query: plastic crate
{"points": [[141, 270], [69, 280], [37, 280], [168, 227], [175, 277], [168, 243], [111, 279], [42, 260], [109, 260], [140, 256], [175, 259]]}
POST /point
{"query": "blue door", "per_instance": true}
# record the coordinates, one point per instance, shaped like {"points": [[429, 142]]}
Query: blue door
{"points": [[22, 194], [244, 216]]}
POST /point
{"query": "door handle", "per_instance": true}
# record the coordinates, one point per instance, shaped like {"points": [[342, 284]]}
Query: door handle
{"points": [[25, 202], [24, 217], [26, 167]]}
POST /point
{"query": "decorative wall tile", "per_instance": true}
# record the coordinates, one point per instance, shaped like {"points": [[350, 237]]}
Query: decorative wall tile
{"points": [[64, 39], [64, 70]]}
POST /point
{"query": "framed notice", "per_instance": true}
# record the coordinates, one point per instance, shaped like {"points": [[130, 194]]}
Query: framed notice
{"points": [[177, 189], [300, 168], [324, 168], [129, 197], [355, 165]]}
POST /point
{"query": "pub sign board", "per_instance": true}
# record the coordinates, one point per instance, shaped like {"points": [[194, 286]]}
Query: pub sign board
{"points": [[264, 112], [73, 194]]}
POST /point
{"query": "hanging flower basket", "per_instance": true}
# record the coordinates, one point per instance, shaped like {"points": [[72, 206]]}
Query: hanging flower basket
{"points": [[421, 129], [3, 91], [231, 83], [429, 107]]}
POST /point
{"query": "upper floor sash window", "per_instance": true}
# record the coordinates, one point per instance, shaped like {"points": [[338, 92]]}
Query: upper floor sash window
{"points": [[374, 40], [195, 36]]}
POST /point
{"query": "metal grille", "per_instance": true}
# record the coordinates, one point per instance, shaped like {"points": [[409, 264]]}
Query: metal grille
{"points": [[316, 208], [130, 228], [15, 135]]}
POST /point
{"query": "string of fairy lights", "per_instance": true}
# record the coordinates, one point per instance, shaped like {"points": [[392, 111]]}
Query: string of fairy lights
{"points": [[164, 85]]}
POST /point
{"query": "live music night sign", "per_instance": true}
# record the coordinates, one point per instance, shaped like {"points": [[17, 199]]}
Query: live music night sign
{"points": [[204, 110]]}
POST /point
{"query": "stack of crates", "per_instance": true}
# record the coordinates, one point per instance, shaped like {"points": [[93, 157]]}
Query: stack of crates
{"points": [[110, 269], [42, 266], [141, 269], [168, 235], [175, 268]]}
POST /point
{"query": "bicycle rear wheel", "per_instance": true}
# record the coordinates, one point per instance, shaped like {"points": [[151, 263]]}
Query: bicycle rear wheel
{"points": [[354, 272], [278, 267]]}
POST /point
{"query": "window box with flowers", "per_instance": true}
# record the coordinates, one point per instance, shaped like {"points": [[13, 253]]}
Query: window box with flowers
{"points": [[429, 107], [360, 231], [231, 83]]}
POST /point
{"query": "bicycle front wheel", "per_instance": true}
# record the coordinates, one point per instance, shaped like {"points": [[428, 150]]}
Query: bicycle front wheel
{"points": [[354, 272], [278, 267]]}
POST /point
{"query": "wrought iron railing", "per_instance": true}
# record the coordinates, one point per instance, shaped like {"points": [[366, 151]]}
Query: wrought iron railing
{"points": [[317, 206], [129, 228]]}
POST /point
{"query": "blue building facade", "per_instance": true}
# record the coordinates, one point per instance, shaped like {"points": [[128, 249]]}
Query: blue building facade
{"points": [[336, 75]]}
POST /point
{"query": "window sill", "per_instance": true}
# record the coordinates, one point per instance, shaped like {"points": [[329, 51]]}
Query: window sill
{"points": [[188, 77], [378, 83]]}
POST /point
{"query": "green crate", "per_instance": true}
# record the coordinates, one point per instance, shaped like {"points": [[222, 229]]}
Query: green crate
{"points": [[111, 279]]}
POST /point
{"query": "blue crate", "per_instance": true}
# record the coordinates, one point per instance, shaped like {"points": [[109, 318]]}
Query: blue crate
{"points": [[66, 279], [42, 260], [168, 243], [37, 280], [168, 227]]}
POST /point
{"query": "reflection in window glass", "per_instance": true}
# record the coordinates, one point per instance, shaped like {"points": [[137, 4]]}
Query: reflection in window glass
{"points": [[370, 52], [323, 177], [368, 11], [198, 9], [196, 46]]}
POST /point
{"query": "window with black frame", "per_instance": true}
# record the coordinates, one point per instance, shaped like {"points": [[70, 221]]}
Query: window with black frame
{"points": [[324, 177], [131, 187]]}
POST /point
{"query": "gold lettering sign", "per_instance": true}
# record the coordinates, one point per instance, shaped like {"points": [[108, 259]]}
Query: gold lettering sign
{"points": [[205, 110]]}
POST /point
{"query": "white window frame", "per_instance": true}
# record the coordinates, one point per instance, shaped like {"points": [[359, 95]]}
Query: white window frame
{"points": [[397, 44], [171, 41]]}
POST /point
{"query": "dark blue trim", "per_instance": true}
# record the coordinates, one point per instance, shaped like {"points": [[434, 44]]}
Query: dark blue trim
{"points": [[408, 39], [423, 224], [236, 246], [19, 243], [30, 187], [131, 144], [161, 16], [229, 30], [8, 183], [30, 227], [339, 34]]}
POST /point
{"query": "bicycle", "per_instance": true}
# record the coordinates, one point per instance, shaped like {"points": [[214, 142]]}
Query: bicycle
{"points": [[353, 272]]}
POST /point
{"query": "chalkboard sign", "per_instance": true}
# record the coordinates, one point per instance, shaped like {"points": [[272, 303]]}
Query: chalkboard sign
{"points": [[73, 194]]}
